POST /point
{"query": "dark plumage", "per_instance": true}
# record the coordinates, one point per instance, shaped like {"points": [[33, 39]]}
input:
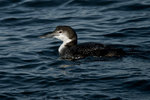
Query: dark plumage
{"points": [[90, 49], [71, 50]]}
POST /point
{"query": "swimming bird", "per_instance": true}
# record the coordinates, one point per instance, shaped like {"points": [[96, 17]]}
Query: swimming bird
{"points": [[70, 49]]}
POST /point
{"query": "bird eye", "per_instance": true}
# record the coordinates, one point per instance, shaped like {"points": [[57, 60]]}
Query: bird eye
{"points": [[60, 31]]}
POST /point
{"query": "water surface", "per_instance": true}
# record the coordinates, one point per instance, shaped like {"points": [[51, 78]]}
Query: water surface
{"points": [[30, 67]]}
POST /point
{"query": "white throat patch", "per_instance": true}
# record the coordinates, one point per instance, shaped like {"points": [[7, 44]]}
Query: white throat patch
{"points": [[61, 37], [65, 40], [63, 45]]}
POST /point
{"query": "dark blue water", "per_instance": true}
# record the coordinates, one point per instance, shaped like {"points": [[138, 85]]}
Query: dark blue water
{"points": [[30, 67]]}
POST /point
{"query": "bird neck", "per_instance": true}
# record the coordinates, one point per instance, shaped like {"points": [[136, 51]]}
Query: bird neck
{"points": [[67, 44]]}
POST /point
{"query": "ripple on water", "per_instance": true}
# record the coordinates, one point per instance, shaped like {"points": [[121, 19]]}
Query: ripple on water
{"points": [[94, 2], [30, 67], [142, 85], [42, 3], [129, 7], [4, 3]]}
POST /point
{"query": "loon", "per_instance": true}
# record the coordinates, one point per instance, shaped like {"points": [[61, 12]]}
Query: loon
{"points": [[69, 49]]}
